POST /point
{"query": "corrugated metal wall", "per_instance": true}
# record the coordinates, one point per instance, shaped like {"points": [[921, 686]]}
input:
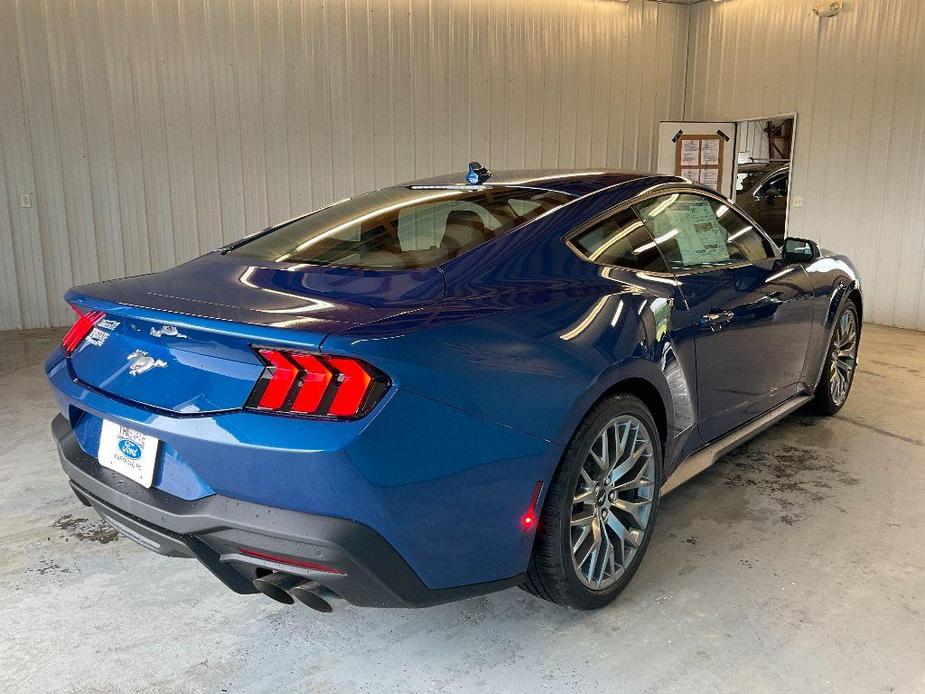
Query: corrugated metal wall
{"points": [[857, 82], [149, 131]]}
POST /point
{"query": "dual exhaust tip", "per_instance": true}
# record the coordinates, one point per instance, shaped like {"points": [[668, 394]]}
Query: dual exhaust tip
{"points": [[286, 588]]}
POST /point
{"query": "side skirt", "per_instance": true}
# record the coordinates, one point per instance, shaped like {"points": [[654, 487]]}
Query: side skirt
{"points": [[705, 457]]}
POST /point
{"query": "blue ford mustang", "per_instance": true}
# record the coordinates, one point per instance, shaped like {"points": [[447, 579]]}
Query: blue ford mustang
{"points": [[445, 388]]}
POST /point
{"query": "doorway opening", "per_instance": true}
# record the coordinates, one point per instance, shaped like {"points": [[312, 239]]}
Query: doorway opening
{"points": [[764, 148]]}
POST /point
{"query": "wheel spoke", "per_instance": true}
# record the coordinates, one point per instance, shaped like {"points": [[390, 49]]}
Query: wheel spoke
{"points": [[595, 547], [633, 508], [597, 459], [617, 527], [638, 448], [606, 557], [634, 537], [585, 497], [585, 531], [638, 482], [581, 562], [605, 449], [848, 339]]}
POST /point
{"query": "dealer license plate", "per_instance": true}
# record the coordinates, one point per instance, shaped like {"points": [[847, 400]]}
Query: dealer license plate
{"points": [[128, 452]]}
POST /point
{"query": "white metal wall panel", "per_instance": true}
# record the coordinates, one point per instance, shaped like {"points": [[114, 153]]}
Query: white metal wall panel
{"points": [[856, 81], [150, 131], [753, 139]]}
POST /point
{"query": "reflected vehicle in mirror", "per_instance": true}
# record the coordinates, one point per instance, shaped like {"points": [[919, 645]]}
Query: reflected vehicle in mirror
{"points": [[762, 191], [447, 387]]}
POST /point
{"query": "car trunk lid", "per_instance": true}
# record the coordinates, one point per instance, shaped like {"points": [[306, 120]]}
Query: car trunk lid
{"points": [[182, 340]]}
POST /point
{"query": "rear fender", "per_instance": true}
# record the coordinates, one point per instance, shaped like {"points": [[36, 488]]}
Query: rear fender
{"points": [[617, 378]]}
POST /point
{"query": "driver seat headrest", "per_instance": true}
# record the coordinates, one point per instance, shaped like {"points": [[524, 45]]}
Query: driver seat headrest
{"points": [[464, 229]]}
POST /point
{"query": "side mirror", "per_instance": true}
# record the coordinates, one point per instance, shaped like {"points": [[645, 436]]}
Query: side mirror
{"points": [[799, 250]]}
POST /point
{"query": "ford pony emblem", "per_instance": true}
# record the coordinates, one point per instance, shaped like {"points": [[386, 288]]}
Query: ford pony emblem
{"points": [[168, 330], [141, 362]]}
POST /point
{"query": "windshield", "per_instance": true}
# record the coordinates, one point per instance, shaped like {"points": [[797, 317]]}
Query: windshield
{"points": [[401, 228]]}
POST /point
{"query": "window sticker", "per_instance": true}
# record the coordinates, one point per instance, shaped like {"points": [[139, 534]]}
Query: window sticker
{"points": [[701, 239]]}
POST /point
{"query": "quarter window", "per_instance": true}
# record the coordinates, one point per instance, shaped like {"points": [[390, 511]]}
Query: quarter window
{"points": [[693, 231], [620, 240]]}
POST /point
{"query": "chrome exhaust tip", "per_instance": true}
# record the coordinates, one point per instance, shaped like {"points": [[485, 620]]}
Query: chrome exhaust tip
{"points": [[277, 586], [307, 593]]}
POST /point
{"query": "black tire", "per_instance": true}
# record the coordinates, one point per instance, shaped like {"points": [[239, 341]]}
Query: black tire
{"points": [[826, 402], [552, 573]]}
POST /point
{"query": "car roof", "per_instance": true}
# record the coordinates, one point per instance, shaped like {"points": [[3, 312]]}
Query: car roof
{"points": [[758, 167], [569, 181]]}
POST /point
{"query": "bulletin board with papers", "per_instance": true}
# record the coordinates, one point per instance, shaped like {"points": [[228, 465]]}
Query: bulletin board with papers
{"points": [[699, 158]]}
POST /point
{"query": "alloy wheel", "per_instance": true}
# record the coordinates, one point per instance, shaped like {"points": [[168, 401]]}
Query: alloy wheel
{"points": [[612, 502], [843, 359]]}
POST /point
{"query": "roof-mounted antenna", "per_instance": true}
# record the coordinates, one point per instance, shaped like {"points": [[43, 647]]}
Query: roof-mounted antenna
{"points": [[478, 174]]}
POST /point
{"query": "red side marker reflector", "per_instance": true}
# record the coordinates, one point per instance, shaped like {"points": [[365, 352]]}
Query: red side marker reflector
{"points": [[353, 386], [284, 375], [529, 518], [291, 562], [81, 328]]}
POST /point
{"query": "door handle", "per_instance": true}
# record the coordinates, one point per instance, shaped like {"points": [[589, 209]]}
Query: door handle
{"points": [[714, 321]]}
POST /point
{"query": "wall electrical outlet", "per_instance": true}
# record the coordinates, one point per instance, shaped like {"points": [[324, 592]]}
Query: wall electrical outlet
{"points": [[25, 200], [798, 201]]}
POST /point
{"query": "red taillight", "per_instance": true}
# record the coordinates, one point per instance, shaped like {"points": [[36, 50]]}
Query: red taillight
{"points": [[353, 386], [283, 375], [315, 385], [81, 328], [315, 381]]}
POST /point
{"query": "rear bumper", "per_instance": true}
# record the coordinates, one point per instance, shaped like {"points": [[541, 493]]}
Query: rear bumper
{"points": [[364, 568]]}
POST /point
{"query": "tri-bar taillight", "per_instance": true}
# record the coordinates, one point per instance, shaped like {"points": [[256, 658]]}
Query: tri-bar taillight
{"points": [[81, 328], [314, 385]]}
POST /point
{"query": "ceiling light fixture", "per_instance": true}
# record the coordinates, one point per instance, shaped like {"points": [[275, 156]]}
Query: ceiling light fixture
{"points": [[830, 8]]}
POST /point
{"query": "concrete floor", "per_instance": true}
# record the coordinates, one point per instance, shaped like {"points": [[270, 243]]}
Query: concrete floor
{"points": [[795, 564]]}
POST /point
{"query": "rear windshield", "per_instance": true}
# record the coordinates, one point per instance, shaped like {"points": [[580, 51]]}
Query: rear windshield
{"points": [[401, 228]]}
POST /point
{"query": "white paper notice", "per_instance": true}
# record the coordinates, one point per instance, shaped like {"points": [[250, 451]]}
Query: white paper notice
{"points": [[702, 239], [692, 174], [691, 222], [710, 152], [690, 153], [710, 177]]}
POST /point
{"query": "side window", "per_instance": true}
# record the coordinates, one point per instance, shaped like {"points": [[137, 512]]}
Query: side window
{"points": [[779, 184], [694, 231], [620, 240]]}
